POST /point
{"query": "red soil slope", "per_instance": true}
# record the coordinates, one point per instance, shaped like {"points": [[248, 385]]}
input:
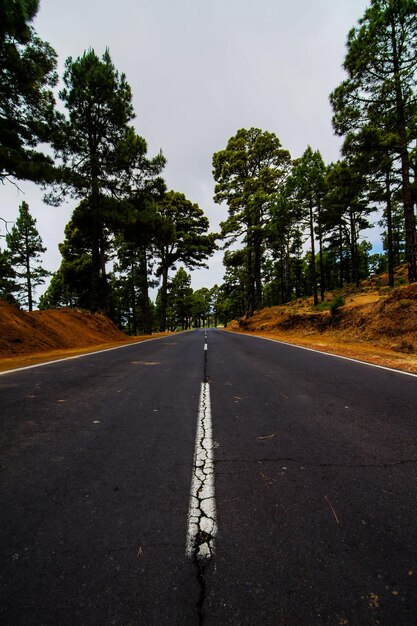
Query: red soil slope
{"points": [[23, 333]]}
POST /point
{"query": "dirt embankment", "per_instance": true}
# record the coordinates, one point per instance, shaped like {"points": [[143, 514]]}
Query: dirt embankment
{"points": [[375, 327], [28, 338]]}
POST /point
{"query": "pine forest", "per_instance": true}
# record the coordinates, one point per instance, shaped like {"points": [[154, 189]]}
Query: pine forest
{"points": [[290, 227]]}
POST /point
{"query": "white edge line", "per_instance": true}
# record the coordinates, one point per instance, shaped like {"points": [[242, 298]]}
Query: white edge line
{"points": [[336, 356], [77, 356]]}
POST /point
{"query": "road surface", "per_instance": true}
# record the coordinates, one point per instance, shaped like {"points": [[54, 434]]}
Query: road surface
{"points": [[208, 478]]}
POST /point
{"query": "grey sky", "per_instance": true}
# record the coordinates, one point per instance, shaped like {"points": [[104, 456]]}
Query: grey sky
{"points": [[199, 71]]}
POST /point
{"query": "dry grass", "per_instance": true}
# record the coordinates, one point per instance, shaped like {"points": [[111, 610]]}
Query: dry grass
{"points": [[375, 325]]}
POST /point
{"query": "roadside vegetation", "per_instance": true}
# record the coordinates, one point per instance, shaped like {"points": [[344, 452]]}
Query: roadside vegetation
{"points": [[294, 228], [375, 322], [297, 227]]}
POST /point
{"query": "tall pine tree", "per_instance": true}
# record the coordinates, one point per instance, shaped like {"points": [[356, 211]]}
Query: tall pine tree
{"points": [[25, 247], [380, 91], [99, 151], [248, 174], [308, 190]]}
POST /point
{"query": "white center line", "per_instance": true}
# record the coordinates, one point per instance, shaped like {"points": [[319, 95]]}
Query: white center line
{"points": [[202, 516]]}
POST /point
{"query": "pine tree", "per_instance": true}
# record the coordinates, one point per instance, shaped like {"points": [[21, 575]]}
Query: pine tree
{"points": [[8, 286], [308, 190], [71, 284], [25, 246], [346, 212], [180, 301], [27, 74], [285, 242], [102, 157], [248, 174], [183, 238], [201, 307], [380, 92]]}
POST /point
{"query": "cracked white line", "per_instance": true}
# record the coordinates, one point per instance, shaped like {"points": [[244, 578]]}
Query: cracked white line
{"points": [[202, 523]]}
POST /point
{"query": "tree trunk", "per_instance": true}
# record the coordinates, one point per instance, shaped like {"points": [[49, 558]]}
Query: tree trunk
{"points": [[409, 218], [390, 247], [340, 255], [282, 272], [313, 256], [258, 278], [28, 276], [414, 167], [103, 285], [322, 286], [164, 298], [95, 253], [250, 281], [134, 316], [354, 257], [144, 290]]}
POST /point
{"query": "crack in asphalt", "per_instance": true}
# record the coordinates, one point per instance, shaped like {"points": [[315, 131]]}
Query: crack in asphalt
{"points": [[308, 464]]}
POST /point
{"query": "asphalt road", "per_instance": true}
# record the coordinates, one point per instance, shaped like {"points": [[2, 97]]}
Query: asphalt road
{"points": [[312, 463]]}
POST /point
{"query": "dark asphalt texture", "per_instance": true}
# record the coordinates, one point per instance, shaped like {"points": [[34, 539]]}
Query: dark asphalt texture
{"points": [[315, 476]]}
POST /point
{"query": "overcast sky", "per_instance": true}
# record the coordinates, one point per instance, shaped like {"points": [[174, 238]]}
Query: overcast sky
{"points": [[199, 71]]}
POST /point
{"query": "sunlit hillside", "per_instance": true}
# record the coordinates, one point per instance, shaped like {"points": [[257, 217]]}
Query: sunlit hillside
{"points": [[371, 323]]}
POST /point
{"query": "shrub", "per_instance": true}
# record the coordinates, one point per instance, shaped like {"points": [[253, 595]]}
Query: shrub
{"points": [[404, 346], [404, 303], [336, 303]]}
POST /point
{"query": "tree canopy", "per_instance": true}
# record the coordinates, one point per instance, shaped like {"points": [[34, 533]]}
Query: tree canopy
{"points": [[183, 238], [27, 76], [103, 159], [293, 227], [248, 173], [380, 92]]}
